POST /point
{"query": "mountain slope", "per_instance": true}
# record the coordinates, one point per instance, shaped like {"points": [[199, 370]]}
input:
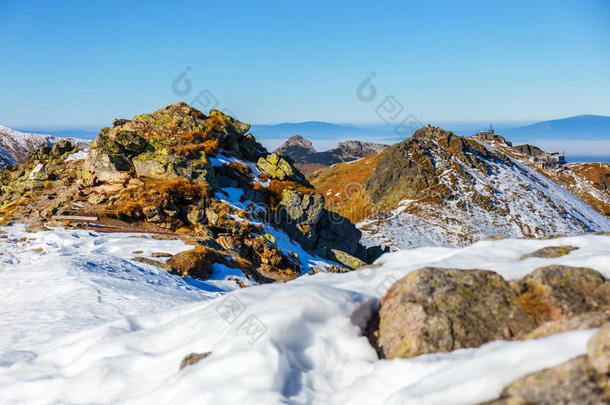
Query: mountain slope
{"points": [[588, 181], [437, 188], [14, 144], [581, 127], [308, 160]]}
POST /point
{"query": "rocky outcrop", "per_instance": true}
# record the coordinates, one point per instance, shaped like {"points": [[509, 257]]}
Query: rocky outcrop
{"points": [[439, 310], [178, 171], [529, 150], [304, 156], [583, 380]]}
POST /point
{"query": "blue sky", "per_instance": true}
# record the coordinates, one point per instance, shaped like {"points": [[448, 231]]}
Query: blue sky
{"points": [[83, 63]]}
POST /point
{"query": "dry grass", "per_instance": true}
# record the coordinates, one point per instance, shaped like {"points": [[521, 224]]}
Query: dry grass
{"points": [[276, 187], [158, 193], [8, 210], [533, 301], [343, 187], [241, 168], [192, 142]]}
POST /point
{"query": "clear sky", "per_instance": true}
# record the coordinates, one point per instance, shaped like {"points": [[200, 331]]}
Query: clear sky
{"points": [[78, 63]]}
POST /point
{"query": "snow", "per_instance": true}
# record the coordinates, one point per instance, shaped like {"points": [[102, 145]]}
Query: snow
{"points": [[82, 323], [80, 155]]}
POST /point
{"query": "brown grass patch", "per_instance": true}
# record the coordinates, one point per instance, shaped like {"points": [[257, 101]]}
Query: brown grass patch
{"points": [[276, 187], [343, 186], [8, 210], [533, 301], [158, 193]]}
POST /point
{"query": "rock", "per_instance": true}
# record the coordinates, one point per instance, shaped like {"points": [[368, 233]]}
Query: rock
{"points": [[439, 310], [152, 262], [196, 263], [276, 167], [598, 350], [232, 245], [299, 214], [345, 259], [157, 165], [160, 254], [239, 127], [552, 292], [337, 232], [193, 358], [195, 215], [211, 216], [578, 322], [117, 122], [571, 382], [62, 147], [131, 142], [550, 252]]}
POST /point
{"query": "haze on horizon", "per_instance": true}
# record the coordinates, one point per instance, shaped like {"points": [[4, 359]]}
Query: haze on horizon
{"points": [[71, 64]]}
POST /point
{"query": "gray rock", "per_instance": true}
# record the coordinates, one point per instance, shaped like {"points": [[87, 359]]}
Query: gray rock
{"points": [[439, 310]]}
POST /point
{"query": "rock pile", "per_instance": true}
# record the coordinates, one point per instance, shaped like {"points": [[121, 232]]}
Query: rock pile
{"points": [[178, 170]]}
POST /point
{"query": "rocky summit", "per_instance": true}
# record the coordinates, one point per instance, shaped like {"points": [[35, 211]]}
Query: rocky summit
{"points": [[202, 178]]}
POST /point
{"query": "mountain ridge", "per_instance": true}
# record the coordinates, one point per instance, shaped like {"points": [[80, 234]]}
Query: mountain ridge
{"points": [[307, 159], [438, 188]]}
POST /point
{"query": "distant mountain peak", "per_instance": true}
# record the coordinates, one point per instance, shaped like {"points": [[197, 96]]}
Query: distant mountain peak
{"points": [[305, 157]]}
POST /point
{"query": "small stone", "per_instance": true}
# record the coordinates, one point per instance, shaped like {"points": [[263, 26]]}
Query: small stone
{"points": [[193, 358], [160, 254], [550, 252]]}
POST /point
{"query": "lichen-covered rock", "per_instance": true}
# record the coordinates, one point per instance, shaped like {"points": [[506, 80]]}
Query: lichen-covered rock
{"points": [[438, 310], [299, 214], [157, 165], [239, 127], [276, 167], [346, 259], [550, 252], [552, 292]]}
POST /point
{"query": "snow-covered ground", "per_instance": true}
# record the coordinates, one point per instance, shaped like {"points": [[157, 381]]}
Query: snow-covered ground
{"points": [[82, 323]]}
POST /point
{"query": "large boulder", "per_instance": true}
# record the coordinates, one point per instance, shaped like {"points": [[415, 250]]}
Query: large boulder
{"points": [[439, 310], [554, 292], [299, 214]]}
